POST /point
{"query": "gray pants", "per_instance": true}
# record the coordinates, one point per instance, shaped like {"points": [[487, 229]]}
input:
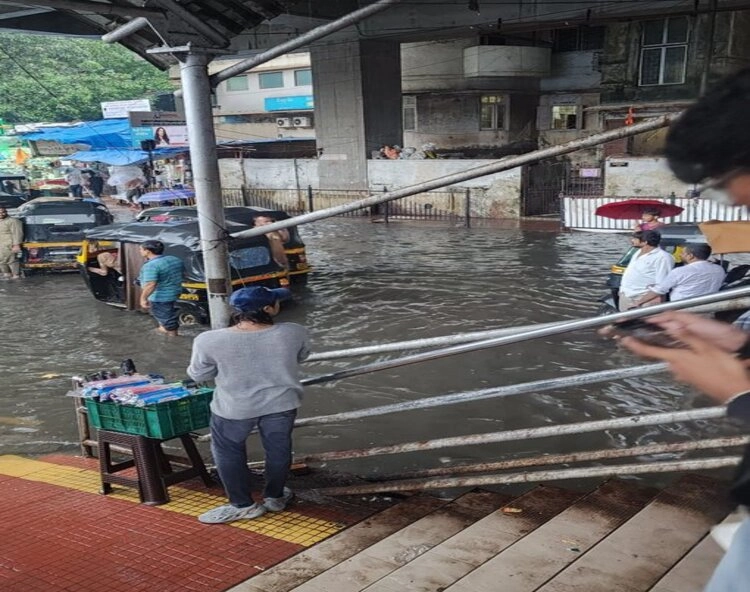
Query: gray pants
{"points": [[627, 303], [9, 263]]}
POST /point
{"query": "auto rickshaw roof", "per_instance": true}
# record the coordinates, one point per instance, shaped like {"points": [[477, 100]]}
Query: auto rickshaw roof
{"points": [[183, 233], [72, 203]]}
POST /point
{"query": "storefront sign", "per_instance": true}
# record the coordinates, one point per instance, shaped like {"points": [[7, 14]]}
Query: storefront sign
{"points": [[120, 109], [165, 128], [297, 103]]}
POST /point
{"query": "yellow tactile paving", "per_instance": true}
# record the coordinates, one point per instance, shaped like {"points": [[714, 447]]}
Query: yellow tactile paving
{"points": [[288, 526]]}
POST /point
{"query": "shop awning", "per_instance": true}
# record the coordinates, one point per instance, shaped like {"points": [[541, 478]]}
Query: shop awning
{"points": [[124, 157], [104, 134]]}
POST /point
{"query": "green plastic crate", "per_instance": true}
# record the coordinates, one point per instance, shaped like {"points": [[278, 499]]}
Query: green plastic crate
{"points": [[162, 421]]}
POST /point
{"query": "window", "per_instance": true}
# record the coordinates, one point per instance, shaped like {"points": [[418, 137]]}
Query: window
{"points": [[271, 80], [410, 113], [237, 83], [492, 113], [302, 77], [564, 117], [664, 51], [578, 39]]}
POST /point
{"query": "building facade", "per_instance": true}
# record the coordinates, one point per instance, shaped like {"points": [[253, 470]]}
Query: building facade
{"points": [[504, 94], [273, 101]]}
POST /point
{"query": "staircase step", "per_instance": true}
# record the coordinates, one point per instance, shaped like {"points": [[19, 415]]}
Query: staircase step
{"points": [[532, 561], [324, 555], [368, 566], [636, 555], [692, 573], [460, 554]]}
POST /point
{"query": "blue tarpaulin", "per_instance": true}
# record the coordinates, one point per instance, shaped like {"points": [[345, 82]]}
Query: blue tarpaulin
{"points": [[124, 156], [107, 133]]}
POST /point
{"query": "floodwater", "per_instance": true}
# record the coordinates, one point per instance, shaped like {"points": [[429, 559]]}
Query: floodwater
{"points": [[373, 283]]}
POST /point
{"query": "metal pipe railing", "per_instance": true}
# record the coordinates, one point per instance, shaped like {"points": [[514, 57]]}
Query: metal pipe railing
{"points": [[537, 476], [490, 393], [521, 434], [473, 336], [573, 457], [527, 335]]}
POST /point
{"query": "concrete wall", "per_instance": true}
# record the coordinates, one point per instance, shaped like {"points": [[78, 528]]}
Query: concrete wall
{"points": [[493, 196], [506, 60], [437, 65], [451, 120], [641, 177], [571, 71]]}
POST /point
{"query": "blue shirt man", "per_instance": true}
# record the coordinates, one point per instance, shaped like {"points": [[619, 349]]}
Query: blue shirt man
{"points": [[161, 285]]}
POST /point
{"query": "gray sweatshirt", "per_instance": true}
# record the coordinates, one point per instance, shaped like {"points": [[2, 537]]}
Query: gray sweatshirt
{"points": [[256, 372]]}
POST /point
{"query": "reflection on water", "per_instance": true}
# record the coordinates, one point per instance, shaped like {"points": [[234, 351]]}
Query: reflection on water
{"points": [[373, 283]]}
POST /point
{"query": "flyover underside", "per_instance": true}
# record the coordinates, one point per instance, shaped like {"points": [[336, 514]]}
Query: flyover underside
{"points": [[259, 24]]}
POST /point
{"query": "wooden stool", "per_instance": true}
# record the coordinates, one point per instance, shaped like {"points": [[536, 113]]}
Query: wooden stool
{"points": [[154, 468]]}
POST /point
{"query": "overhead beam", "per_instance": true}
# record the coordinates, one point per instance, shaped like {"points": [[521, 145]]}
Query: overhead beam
{"points": [[91, 6], [304, 39]]}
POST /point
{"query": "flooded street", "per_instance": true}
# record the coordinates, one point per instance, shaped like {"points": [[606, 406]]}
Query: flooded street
{"points": [[372, 283]]}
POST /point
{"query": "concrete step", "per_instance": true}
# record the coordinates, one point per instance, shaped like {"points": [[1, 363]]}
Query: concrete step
{"points": [[439, 567], [323, 556], [536, 558], [694, 570], [384, 557], [635, 556]]}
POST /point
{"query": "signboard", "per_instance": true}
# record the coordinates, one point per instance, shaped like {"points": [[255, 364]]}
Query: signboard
{"points": [[165, 128], [54, 148], [289, 103], [120, 109]]}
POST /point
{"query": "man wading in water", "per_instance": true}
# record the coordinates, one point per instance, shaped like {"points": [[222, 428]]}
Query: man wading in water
{"points": [[255, 365]]}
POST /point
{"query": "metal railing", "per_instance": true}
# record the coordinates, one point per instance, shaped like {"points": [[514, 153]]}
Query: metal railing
{"points": [[445, 477], [452, 205]]}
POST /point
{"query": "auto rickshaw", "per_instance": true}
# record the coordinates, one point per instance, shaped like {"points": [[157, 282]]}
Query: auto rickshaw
{"points": [[250, 261], [53, 231], [294, 248], [723, 237]]}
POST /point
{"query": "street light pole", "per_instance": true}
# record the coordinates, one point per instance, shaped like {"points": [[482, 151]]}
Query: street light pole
{"points": [[205, 166]]}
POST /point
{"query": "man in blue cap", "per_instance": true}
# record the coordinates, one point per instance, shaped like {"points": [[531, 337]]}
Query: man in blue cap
{"points": [[255, 365]]}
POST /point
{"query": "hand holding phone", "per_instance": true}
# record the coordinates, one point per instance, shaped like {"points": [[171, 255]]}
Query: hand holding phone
{"points": [[646, 332]]}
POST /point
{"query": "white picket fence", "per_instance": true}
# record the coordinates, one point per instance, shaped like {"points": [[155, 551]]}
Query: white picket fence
{"points": [[578, 213]]}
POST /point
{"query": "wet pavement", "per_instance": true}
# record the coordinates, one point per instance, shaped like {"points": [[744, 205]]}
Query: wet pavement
{"points": [[372, 283]]}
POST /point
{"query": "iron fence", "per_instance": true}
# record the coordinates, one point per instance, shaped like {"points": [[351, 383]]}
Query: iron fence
{"points": [[432, 205]]}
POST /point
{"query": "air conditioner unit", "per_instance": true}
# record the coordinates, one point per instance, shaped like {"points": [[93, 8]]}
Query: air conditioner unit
{"points": [[284, 122], [302, 122]]}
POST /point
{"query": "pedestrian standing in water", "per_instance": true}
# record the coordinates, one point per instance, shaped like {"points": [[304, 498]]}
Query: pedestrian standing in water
{"points": [[255, 366], [11, 238], [161, 285]]}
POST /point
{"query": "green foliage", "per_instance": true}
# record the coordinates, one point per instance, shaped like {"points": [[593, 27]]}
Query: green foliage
{"points": [[48, 78]]}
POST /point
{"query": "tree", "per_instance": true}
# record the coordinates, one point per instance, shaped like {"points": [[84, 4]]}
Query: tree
{"points": [[46, 78]]}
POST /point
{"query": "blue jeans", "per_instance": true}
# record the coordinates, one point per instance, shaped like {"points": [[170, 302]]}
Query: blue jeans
{"points": [[733, 572], [165, 314], [228, 446]]}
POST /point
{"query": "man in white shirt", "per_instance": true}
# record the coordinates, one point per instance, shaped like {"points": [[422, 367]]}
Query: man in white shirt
{"points": [[696, 278], [649, 266]]}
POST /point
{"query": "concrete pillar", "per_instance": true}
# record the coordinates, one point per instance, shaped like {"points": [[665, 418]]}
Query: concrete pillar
{"points": [[357, 88]]}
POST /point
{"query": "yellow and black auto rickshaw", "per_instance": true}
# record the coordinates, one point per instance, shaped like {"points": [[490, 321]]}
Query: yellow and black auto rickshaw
{"points": [[53, 229], [250, 261], [299, 269]]}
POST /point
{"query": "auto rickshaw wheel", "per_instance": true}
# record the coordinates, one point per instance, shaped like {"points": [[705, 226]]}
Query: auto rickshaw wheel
{"points": [[188, 318]]}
